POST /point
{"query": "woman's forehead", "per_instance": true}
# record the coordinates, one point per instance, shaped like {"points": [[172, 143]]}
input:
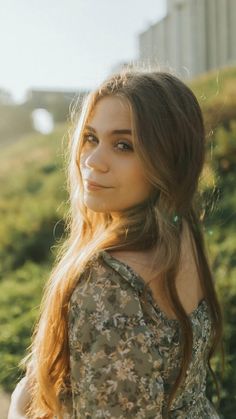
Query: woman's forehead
{"points": [[116, 103], [111, 111]]}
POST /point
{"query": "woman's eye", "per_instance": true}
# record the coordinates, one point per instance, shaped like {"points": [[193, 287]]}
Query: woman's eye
{"points": [[88, 137], [91, 138], [126, 148]]}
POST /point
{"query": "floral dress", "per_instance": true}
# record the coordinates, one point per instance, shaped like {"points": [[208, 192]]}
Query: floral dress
{"points": [[125, 355]]}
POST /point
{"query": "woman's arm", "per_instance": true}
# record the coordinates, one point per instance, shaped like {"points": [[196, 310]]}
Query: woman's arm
{"points": [[20, 397], [115, 366], [19, 400]]}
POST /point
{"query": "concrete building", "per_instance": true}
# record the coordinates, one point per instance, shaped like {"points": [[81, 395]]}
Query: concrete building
{"points": [[195, 36]]}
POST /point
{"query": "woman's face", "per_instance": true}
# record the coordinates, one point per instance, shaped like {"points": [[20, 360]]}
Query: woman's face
{"points": [[108, 159]]}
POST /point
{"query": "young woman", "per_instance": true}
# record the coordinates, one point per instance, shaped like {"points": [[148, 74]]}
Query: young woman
{"points": [[130, 317]]}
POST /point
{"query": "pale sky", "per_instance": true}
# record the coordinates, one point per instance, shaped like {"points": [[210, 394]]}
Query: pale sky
{"points": [[69, 44]]}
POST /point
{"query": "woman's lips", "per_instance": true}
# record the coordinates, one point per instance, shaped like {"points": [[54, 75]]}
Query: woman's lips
{"points": [[93, 186]]}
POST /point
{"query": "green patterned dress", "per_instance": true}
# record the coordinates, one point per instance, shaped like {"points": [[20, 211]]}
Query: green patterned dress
{"points": [[124, 354]]}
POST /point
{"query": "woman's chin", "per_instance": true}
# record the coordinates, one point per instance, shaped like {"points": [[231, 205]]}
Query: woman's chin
{"points": [[95, 205]]}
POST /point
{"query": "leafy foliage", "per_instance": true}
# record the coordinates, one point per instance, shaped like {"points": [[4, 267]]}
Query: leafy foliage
{"points": [[31, 208]]}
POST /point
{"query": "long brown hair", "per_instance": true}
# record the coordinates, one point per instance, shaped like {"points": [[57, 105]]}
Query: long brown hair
{"points": [[169, 138]]}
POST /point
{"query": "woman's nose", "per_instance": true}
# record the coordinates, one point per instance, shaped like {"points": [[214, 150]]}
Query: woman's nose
{"points": [[97, 159]]}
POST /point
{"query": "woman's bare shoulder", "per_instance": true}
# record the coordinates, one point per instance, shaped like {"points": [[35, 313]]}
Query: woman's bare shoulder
{"points": [[188, 283]]}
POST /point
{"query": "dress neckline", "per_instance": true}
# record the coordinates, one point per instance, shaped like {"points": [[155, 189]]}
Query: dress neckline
{"points": [[139, 283]]}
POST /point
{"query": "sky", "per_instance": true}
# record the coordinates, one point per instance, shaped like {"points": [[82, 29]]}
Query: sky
{"points": [[69, 44]]}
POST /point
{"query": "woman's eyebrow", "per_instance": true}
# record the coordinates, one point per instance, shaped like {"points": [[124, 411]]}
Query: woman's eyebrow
{"points": [[115, 131]]}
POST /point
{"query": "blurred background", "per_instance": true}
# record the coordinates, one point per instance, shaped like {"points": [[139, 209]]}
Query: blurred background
{"points": [[52, 53]]}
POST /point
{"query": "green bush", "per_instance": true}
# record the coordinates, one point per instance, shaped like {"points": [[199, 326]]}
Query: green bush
{"points": [[19, 303]]}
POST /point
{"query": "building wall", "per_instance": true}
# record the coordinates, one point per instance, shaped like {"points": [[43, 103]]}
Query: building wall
{"points": [[195, 36], [231, 30]]}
